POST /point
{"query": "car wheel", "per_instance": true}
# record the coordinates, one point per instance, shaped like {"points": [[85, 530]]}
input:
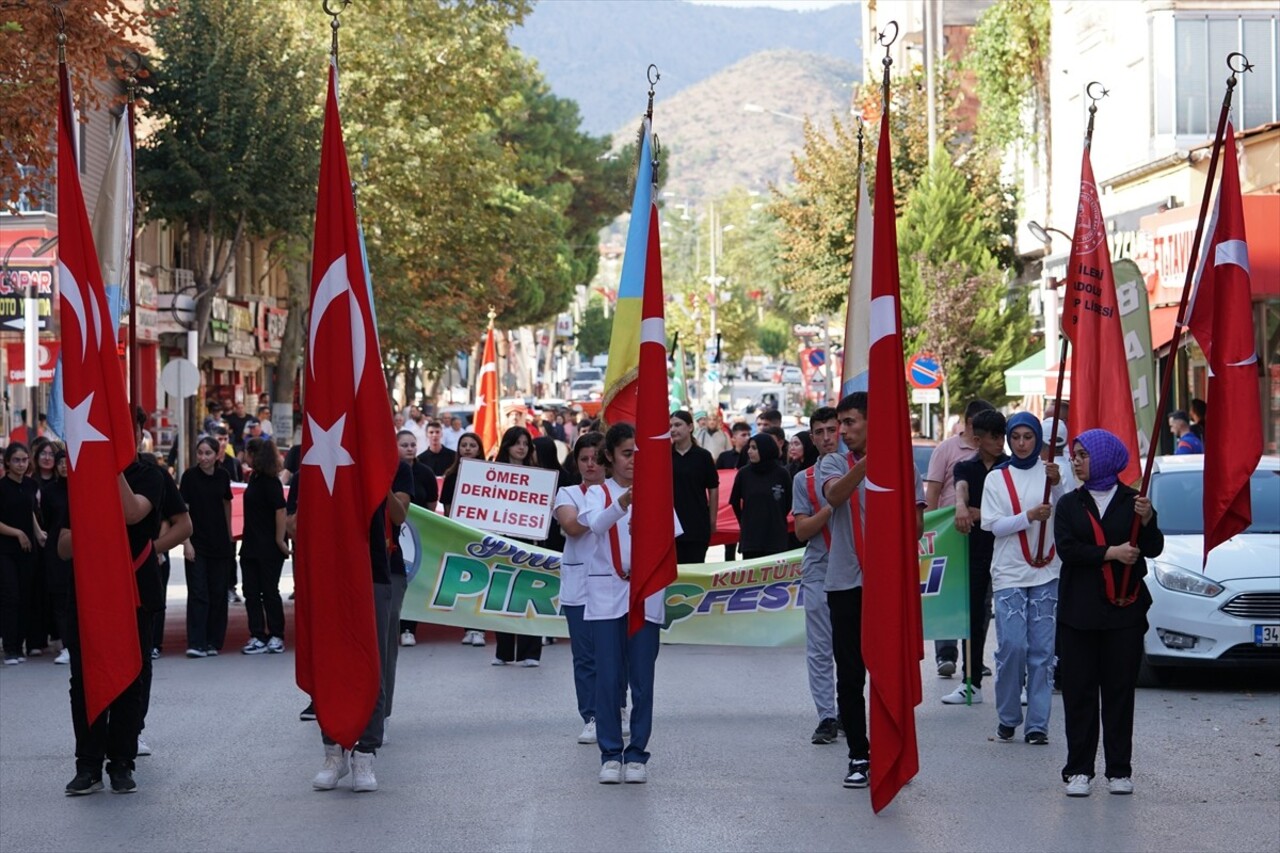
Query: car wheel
{"points": [[1152, 676]]}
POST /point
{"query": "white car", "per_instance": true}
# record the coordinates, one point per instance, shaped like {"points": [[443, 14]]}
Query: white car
{"points": [[1225, 613], [791, 375]]}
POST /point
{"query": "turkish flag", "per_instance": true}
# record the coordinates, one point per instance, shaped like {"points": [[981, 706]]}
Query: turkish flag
{"points": [[653, 552], [1100, 393], [892, 636], [350, 456], [486, 422], [1220, 316], [99, 433]]}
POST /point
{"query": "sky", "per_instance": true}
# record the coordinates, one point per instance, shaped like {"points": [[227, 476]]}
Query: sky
{"points": [[791, 5]]}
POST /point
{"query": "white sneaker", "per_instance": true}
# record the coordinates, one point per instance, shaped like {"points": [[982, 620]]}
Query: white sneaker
{"points": [[1120, 786], [611, 773], [63, 657], [254, 647], [275, 646], [477, 638], [588, 732], [626, 723], [336, 765], [963, 695], [530, 662], [145, 749], [498, 662], [362, 778], [1078, 786], [636, 773]]}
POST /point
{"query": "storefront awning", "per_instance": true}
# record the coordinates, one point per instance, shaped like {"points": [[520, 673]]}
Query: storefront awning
{"points": [[1026, 378]]}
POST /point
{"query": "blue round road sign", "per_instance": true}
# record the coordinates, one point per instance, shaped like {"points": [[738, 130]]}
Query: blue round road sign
{"points": [[923, 371]]}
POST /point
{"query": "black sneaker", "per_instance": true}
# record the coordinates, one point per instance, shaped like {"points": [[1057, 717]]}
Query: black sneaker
{"points": [[859, 775], [84, 783], [826, 732], [1036, 738], [986, 671], [946, 668], [1004, 732], [121, 779], [308, 713]]}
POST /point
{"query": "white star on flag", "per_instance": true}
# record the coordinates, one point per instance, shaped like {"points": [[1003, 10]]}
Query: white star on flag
{"points": [[327, 452], [78, 429]]}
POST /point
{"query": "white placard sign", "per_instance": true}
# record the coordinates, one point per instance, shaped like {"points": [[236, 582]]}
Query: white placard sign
{"points": [[511, 499]]}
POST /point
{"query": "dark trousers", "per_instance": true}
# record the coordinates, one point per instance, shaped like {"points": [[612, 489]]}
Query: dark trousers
{"points": [[59, 577], [38, 622], [690, 552], [1099, 668], [513, 647], [157, 618], [730, 552], [582, 645], [979, 607], [623, 660], [408, 625], [207, 601], [262, 601], [851, 671], [114, 735], [371, 738], [15, 581]]}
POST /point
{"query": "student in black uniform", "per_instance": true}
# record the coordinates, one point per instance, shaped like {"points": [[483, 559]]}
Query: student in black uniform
{"points": [[263, 550], [19, 539], [761, 499], [207, 490], [426, 494]]}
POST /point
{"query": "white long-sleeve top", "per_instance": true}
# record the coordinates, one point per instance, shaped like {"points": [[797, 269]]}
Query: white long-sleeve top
{"points": [[573, 563], [1009, 567], [608, 596]]}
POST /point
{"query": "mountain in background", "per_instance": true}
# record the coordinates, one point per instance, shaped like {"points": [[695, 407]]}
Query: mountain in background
{"points": [[596, 52], [740, 127]]}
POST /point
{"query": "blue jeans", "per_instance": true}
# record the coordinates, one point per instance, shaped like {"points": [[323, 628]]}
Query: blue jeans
{"points": [[1025, 628], [584, 659], [621, 659]]}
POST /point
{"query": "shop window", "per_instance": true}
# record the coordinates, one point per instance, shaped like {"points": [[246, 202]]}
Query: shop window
{"points": [[1201, 45]]}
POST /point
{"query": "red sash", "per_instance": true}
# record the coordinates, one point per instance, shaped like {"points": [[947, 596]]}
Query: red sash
{"points": [[813, 499], [1022, 534], [855, 518], [142, 558], [1108, 576], [615, 546]]}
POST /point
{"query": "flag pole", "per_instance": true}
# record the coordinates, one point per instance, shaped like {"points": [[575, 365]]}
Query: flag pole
{"points": [[1166, 382], [135, 369], [1062, 355]]}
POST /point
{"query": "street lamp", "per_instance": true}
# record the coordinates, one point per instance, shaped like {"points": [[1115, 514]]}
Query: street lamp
{"points": [[1041, 232], [756, 108]]}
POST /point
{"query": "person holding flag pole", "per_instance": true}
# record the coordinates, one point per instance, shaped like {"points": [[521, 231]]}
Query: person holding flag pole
{"points": [[626, 575]]}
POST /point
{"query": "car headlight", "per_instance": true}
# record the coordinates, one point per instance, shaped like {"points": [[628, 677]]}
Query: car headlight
{"points": [[1182, 580]]}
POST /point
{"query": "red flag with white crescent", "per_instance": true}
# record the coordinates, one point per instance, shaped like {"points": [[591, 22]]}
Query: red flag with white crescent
{"points": [[486, 422], [1220, 316], [98, 429], [348, 460]]}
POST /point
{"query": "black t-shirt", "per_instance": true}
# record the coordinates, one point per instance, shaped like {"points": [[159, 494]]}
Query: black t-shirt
{"points": [[235, 426], [438, 462], [765, 499], [232, 466], [262, 498], [147, 480], [693, 473], [17, 509], [426, 492], [404, 483], [731, 459], [447, 488], [293, 459], [982, 542], [205, 495], [53, 514]]}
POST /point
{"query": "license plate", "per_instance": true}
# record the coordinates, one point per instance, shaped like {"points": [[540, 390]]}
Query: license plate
{"points": [[1266, 635]]}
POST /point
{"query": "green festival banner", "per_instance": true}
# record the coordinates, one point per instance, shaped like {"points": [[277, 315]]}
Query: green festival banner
{"points": [[471, 579]]}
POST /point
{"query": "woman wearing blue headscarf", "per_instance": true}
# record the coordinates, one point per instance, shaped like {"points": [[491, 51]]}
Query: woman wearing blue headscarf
{"points": [[1024, 579], [1102, 609]]}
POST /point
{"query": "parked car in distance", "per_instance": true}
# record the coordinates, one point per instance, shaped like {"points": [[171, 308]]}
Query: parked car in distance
{"points": [[921, 453], [1225, 613], [790, 375]]}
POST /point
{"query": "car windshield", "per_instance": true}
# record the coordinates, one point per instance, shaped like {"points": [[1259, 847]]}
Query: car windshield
{"points": [[1178, 497]]}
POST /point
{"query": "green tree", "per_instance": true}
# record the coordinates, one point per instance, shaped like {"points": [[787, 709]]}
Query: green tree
{"points": [[594, 330], [774, 336], [235, 150], [1009, 56]]}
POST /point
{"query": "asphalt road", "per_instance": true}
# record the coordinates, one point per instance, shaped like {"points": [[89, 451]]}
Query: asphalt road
{"points": [[485, 758]]}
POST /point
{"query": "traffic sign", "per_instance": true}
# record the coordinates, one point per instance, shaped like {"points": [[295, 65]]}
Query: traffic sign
{"points": [[925, 395], [923, 371], [180, 377]]}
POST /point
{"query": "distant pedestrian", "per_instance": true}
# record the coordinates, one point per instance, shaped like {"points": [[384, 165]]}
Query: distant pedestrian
{"points": [[1186, 441], [206, 488], [20, 539], [470, 446], [426, 494], [263, 549], [761, 500], [802, 454], [516, 448], [695, 489]]}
